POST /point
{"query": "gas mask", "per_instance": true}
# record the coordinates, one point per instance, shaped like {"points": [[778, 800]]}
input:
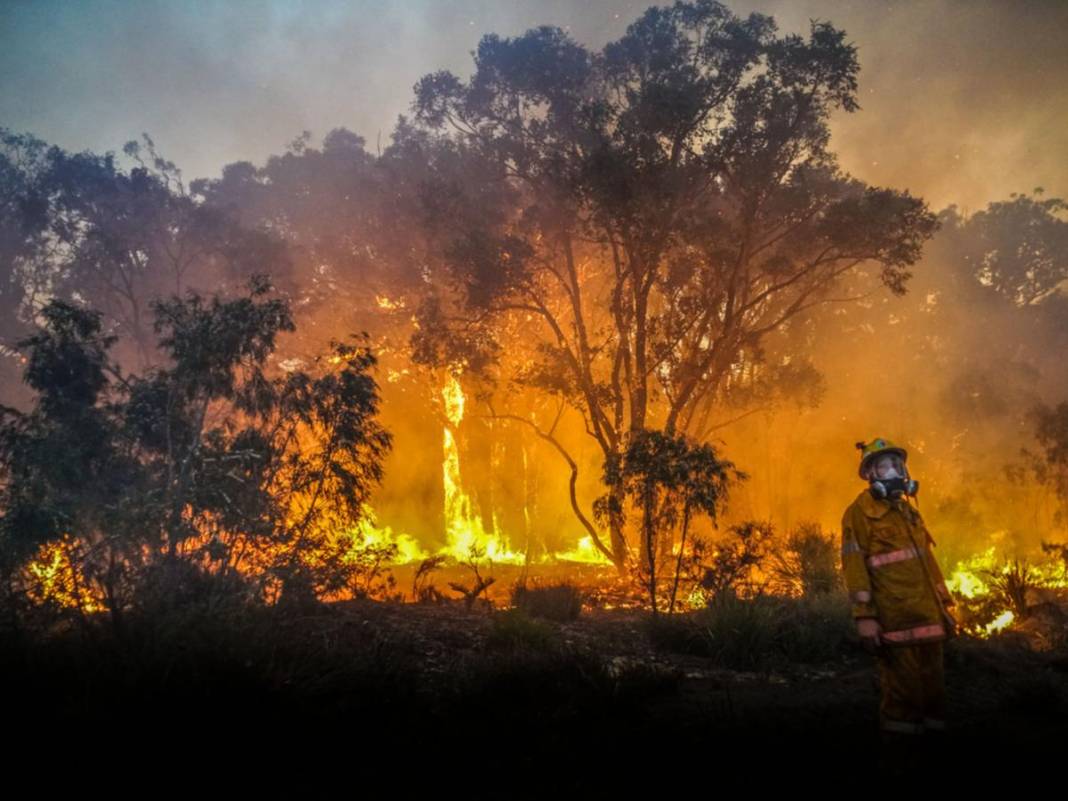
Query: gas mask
{"points": [[889, 478]]}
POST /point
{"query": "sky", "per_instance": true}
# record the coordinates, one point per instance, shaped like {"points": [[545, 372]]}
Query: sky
{"points": [[962, 101]]}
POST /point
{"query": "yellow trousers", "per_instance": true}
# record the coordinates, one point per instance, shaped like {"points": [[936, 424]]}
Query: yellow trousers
{"points": [[913, 688]]}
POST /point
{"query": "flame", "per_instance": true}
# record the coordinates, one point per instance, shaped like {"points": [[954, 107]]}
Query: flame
{"points": [[586, 552], [1000, 623], [388, 304], [972, 580], [465, 533], [370, 534], [53, 578], [965, 581]]}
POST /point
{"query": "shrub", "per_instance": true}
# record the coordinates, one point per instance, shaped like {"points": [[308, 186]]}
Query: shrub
{"points": [[560, 602], [513, 629], [807, 562], [760, 633]]}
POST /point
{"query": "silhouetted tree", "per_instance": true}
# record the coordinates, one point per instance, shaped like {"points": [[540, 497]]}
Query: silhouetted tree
{"points": [[211, 464], [677, 205], [24, 161], [669, 479], [80, 227]]}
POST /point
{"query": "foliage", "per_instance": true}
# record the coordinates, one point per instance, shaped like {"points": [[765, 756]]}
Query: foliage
{"points": [[87, 231], [208, 463], [515, 629], [561, 601], [479, 583], [423, 591], [806, 563], [670, 479], [1050, 466], [729, 567], [760, 633], [1017, 247], [672, 204], [1009, 583]]}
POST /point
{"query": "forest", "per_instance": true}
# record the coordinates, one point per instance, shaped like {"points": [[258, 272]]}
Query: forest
{"points": [[529, 431]]}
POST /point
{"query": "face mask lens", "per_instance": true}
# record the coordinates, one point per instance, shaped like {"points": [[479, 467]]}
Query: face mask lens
{"points": [[888, 466]]}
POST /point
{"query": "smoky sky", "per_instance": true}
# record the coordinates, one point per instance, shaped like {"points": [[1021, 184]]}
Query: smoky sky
{"points": [[962, 101]]}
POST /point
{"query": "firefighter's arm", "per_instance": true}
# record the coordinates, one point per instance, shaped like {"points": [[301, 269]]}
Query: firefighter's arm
{"points": [[855, 542], [936, 572]]}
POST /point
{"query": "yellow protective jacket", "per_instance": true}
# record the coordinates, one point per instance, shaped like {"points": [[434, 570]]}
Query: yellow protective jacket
{"points": [[891, 573]]}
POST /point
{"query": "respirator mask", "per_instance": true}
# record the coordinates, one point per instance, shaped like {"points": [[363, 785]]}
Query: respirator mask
{"points": [[889, 478]]}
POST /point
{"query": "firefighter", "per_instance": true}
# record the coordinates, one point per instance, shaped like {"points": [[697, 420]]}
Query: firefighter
{"points": [[899, 597]]}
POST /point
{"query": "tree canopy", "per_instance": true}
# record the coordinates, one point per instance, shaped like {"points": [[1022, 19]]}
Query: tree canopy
{"points": [[676, 204], [211, 464]]}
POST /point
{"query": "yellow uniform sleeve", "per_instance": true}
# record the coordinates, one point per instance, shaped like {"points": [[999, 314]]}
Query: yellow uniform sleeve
{"points": [[936, 572], [855, 543]]}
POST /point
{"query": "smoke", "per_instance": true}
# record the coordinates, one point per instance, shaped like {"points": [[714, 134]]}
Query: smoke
{"points": [[962, 102]]}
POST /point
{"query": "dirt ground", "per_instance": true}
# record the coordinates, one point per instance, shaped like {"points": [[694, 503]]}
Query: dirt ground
{"points": [[700, 723], [433, 697]]}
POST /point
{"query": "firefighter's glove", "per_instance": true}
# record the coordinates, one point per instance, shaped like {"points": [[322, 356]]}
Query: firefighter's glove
{"points": [[870, 634], [952, 623]]}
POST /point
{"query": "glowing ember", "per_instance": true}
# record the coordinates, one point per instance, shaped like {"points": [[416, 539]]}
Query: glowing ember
{"points": [[1000, 623], [388, 304], [54, 579]]}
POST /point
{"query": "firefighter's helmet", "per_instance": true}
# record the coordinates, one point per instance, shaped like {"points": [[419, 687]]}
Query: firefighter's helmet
{"points": [[868, 452]]}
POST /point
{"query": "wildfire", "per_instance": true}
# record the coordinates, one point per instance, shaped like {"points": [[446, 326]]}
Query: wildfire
{"points": [[54, 579], [371, 535], [465, 533], [388, 304], [994, 592], [586, 552]]}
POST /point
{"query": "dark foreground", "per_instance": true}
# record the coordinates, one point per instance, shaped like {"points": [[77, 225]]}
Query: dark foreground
{"points": [[500, 704]]}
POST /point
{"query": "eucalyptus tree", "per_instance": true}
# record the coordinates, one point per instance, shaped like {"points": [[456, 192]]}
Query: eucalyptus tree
{"points": [[676, 204]]}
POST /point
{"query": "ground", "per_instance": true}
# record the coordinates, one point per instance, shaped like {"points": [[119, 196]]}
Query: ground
{"points": [[498, 700]]}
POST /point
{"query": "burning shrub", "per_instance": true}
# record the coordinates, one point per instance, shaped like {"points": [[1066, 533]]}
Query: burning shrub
{"points": [[561, 601], [671, 479], [728, 568], [207, 461], [994, 593], [1057, 551], [807, 562]]}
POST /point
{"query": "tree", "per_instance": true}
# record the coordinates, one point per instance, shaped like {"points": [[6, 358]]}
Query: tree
{"points": [[670, 480], [23, 245], [367, 237], [1019, 247], [974, 359], [208, 465], [676, 205], [1050, 466], [80, 227], [807, 562]]}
